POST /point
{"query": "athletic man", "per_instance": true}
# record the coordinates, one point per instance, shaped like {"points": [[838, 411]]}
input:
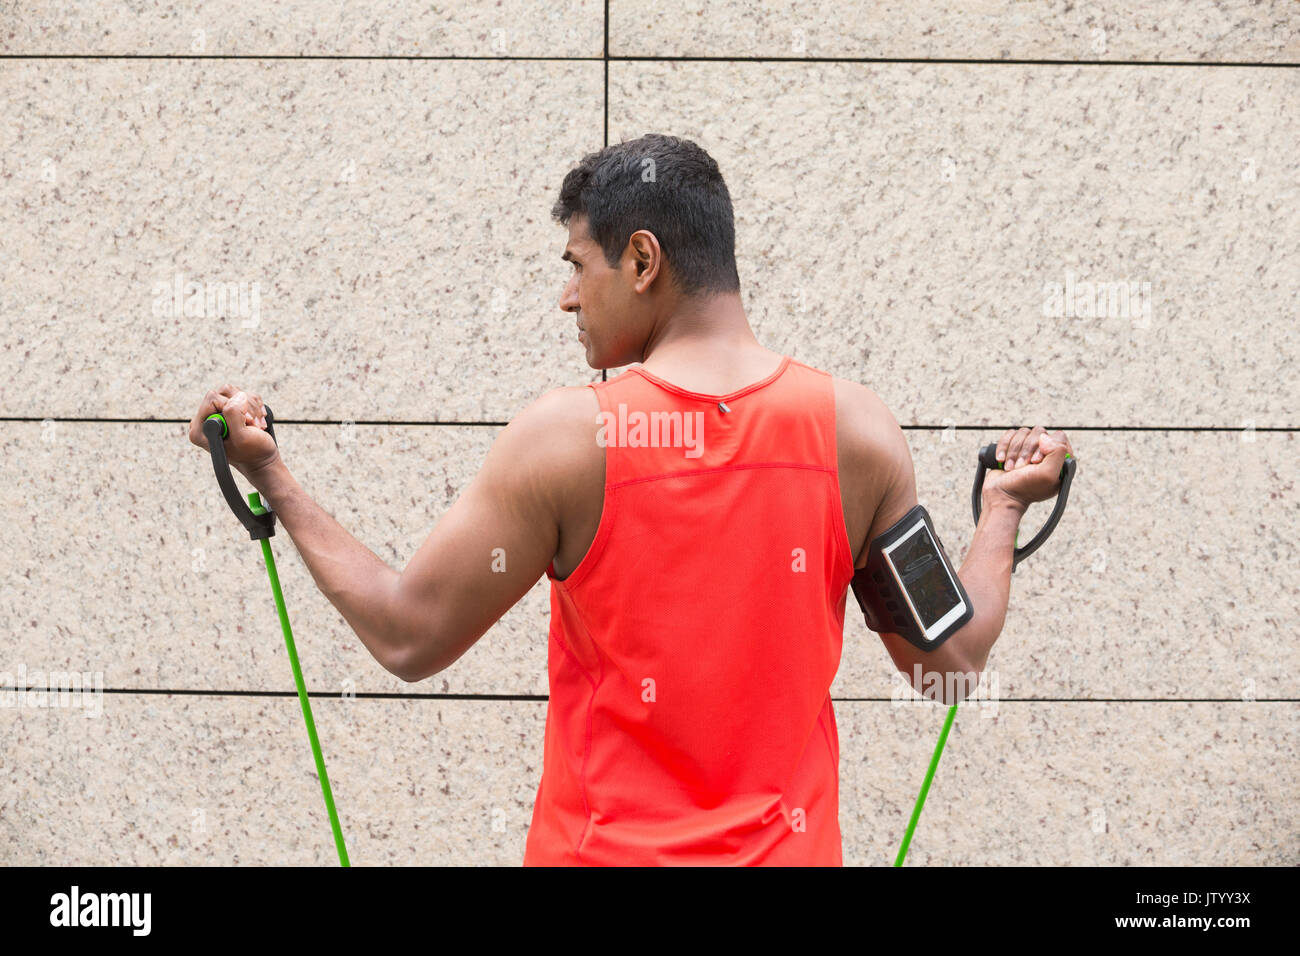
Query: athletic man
{"points": [[699, 518]]}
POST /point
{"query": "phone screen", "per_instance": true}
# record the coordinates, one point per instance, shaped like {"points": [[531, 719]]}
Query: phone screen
{"points": [[917, 562]]}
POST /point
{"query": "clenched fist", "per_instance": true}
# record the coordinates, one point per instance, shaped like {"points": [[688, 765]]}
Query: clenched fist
{"points": [[1031, 465], [249, 448]]}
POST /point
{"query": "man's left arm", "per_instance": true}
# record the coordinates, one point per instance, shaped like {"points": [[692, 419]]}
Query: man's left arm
{"points": [[481, 557]]}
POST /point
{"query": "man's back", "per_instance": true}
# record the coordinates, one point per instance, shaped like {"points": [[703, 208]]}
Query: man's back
{"points": [[697, 617], [863, 426]]}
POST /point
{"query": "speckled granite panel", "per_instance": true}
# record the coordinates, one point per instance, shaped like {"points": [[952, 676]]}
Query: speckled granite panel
{"points": [[1167, 576], [205, 781], [1074, 784], [1164, 30], [366, 240], [194, 780], [478, 28], [982, 244], [1002, 244]]}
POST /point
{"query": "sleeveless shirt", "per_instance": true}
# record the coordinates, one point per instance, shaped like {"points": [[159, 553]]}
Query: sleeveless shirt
{"points": [[691, 651]]}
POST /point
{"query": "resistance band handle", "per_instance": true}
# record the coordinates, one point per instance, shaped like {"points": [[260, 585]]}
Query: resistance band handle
{"points": [[988, 458], [260, 525]]}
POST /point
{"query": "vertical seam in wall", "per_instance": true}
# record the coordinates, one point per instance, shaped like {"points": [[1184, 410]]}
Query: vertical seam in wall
{"points": [[604, 377]]}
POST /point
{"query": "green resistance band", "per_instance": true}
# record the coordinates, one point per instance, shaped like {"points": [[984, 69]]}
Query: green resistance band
{"points": [[259, 521], [987, 459], [929, 774], [925, 785], [255, 501]]}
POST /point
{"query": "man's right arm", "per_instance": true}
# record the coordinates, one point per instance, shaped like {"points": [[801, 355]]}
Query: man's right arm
{"points": [[985, 574]]}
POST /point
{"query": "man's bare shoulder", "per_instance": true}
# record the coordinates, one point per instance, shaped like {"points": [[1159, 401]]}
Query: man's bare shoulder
{"points": [[873, 459], [554, 439], [865, 429], [565, 414]]}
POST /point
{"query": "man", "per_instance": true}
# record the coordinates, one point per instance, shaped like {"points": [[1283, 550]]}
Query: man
{"points": [[699, 517]]}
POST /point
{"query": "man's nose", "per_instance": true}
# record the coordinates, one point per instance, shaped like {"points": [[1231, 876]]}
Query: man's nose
{"points": [[568, 298]]}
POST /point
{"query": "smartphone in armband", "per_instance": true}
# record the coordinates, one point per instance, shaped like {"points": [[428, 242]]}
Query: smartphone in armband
{"points": [[909, 586]]}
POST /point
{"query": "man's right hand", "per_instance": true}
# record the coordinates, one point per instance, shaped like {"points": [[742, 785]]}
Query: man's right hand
{"points": [[1031, 465], [249, 448]]}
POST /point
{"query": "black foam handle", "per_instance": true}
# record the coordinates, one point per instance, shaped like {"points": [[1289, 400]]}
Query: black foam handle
{"points": [[988, 458], [216, 431]]}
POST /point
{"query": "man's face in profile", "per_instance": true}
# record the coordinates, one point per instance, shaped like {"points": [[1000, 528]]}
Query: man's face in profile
{"points": [[593, 294]]}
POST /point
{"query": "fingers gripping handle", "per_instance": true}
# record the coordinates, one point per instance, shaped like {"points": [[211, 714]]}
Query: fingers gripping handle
{"points": [[260, 525], [988, 459]]}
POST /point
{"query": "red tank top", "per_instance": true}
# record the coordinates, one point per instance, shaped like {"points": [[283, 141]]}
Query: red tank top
{"points": [[691, 652]]}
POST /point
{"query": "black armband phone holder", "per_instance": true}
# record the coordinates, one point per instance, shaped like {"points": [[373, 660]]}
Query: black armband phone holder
{"points": [[909, 586]]}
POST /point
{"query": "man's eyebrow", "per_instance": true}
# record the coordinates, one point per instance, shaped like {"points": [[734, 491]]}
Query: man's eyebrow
{"points": [[568, 256]]}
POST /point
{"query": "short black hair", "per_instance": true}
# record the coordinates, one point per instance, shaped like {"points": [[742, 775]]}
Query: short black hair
{"points": [[671, 187]]}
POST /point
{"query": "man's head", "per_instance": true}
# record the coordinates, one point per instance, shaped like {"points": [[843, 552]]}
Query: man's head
{"points": [[650, 227]]}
